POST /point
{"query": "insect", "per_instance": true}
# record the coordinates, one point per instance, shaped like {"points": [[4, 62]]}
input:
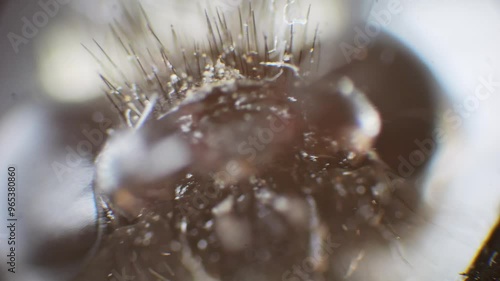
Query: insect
{"points": [[238, 159], [242, 153]]}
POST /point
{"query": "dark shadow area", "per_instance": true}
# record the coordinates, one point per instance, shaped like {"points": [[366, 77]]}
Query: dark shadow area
{"points": [[486, 266]]}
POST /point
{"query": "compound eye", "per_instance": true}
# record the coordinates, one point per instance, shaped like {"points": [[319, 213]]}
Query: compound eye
{"points": [[407, 97], [337, 108]]}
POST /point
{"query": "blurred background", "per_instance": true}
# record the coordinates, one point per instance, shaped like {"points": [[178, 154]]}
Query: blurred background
{"points": [[51, 97]]}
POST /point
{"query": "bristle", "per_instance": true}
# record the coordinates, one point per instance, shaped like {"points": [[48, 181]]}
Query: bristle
{"points": [[319, 56], [115, 105], [197, 58], [256, 41], [246, 35], [219, 34], [211, 31], [109, 84], [237, 51], [174, 37], [168, 64], [165, 94], [148, 110], [223, 22], [241, 21], [105, 54], [139, 63], [119, 38], [93, 55], [186, 64]]}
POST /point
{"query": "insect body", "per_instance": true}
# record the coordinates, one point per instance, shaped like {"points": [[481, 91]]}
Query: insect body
{"points": [[240, 163]]}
